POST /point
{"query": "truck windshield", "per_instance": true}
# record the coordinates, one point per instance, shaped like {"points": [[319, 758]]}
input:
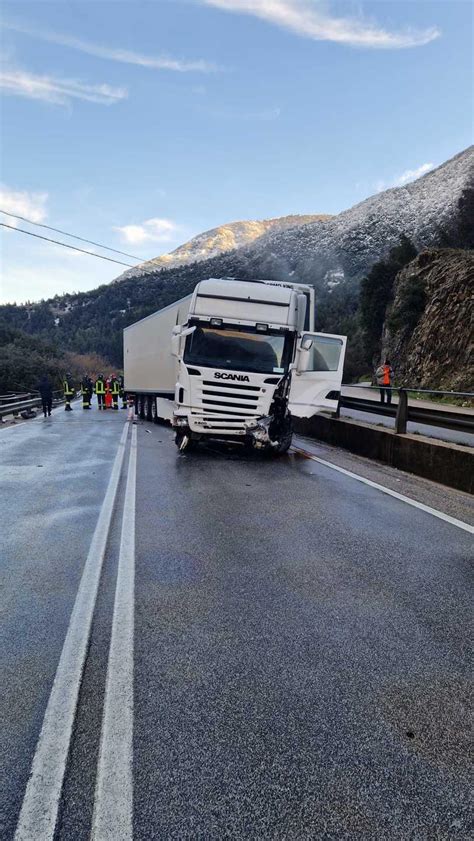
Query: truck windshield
{"points": [[241, 349]]}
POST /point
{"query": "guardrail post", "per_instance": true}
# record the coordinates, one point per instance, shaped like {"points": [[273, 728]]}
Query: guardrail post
{"points": [[402, 413]]}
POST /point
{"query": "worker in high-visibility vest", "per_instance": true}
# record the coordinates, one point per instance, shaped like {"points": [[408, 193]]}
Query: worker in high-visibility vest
{"points": [[384, 375], [122, 393], [114, 390], [86, 391], [99, 389], [69, 392]]}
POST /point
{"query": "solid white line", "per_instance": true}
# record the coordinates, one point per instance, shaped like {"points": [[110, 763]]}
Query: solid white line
{"points": [[113, 805], [435, 513], [39, 811]]}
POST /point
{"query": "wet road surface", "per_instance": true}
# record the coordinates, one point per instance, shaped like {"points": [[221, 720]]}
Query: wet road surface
{"points": [[299, 650]]}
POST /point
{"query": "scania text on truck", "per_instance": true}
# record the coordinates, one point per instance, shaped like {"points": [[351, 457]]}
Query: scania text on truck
{"points": [[235, 360]]}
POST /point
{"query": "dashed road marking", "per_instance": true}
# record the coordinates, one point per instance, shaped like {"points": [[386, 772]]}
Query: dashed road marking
{"points": [[39, 810], [113, 806], [428, 510]]}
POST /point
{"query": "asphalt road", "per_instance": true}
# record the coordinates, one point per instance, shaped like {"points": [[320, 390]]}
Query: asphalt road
{"points": [[287, 645]]}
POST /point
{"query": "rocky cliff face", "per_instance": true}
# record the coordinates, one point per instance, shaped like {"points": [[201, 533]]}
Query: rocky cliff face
{"points": [[429, 333]]}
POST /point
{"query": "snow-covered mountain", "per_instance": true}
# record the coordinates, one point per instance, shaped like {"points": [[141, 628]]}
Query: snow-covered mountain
{"points": [[345, 246], [219, 241], [332, 251]]}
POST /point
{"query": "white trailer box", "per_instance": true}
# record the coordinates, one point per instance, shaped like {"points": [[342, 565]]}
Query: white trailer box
{"points": [[148, 365]]}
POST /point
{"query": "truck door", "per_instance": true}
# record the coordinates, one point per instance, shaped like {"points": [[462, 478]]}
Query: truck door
{"points": [[316, 382]]}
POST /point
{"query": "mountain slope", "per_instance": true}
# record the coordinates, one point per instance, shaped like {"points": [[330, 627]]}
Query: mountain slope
{"points": [[342, 249], [333, 255], [219, 241]]}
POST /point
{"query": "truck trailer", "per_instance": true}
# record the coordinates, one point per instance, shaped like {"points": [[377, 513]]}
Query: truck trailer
{"points": [[235, 361]]}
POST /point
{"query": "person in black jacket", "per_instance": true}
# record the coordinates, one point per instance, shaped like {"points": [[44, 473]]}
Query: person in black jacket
{"points": [[45, 389]]}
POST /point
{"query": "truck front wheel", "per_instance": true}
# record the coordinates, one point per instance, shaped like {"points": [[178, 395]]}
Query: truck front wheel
{"points": [[284, 444], [183, 441]]}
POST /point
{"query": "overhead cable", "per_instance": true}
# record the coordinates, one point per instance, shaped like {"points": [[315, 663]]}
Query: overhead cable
{"points": [[65, 245], [73, 236]]}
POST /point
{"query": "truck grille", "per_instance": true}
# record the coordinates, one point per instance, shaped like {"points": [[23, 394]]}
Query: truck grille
{"points": [[225, 406], [231, 398]]}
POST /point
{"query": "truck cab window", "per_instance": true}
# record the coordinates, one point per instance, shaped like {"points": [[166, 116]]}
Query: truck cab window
{"points": [[243, 349], [324, 354]]}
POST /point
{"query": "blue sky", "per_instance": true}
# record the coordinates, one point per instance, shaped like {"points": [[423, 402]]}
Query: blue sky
{"points": [[141, 124]]}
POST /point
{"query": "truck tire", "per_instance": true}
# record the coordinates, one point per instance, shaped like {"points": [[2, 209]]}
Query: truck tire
{"points": [[283, 445], [149, 409], [184, 442], [142, 407], [153, 410]]}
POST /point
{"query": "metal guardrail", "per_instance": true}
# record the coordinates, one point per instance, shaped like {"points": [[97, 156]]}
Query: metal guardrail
{"points": [[403, 412], [14, 408], [13, 397]]}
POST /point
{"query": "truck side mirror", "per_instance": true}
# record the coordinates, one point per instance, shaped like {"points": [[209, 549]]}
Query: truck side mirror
{"points": [[303, 354], [301, 361], [175, 340], [177, 334]]}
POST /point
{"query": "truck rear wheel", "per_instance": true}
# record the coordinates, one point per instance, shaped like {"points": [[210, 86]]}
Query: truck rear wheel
{"points": [[149, 408]]}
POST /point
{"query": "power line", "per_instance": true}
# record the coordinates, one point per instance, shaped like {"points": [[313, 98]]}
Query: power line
{"points": [[65, 245], [73, 236]]}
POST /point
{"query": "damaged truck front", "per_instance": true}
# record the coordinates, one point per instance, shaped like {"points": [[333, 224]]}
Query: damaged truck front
{"points": [[245, 360]]}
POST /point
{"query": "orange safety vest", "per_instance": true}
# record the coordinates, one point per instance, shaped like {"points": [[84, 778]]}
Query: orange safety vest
{"points": [[386, 375]]}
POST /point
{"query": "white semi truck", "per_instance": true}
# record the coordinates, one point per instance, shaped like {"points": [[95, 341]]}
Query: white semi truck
{"points": [[235, 360]]}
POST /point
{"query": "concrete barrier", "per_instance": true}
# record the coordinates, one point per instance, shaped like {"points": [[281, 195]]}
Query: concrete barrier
{"points": [[448, 464]]}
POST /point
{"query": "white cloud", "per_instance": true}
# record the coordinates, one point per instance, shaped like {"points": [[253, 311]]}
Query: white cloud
{"points": [[153, 230], [404, 178], [57, 91], [22, 203], [412, 174], [312, 19], [161, 62]]}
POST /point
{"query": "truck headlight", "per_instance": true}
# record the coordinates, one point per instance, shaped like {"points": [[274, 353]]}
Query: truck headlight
{"points": [[180, 420]]}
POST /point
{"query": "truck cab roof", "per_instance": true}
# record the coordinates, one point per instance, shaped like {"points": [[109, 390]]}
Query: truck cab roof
{"points": [[245, 301]]}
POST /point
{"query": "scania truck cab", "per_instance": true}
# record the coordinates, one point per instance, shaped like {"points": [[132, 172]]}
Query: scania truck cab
{"points": [[248, 359]]}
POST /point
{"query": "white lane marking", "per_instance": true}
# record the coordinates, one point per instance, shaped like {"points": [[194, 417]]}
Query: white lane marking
{"points": [[39, 811], [113, 806], [458, 523]]}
